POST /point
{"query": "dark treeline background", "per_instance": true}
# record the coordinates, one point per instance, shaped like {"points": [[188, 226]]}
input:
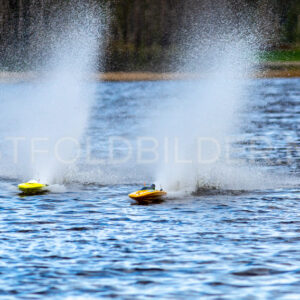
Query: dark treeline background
{"points": [[142, 34]]}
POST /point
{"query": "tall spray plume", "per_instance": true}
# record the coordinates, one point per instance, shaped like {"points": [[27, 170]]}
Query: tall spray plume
{"points": [[220, 43], [42, 121]]}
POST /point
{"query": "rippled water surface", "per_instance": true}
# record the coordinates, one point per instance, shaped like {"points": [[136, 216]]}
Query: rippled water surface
{"points": [[92, 241]]}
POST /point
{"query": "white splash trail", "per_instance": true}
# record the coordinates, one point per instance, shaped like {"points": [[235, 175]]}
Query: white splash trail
{"points": [[51, 113], [224, 52]]}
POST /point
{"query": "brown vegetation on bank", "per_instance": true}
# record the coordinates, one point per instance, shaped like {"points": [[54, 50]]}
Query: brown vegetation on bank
{"points": [[148, 76]]}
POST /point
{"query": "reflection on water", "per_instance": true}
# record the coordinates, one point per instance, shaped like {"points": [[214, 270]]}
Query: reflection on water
{"points": [[90, 241]]}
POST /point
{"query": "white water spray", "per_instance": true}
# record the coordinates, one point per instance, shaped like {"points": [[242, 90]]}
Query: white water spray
{"points": [[43, 121], [205, 113]]}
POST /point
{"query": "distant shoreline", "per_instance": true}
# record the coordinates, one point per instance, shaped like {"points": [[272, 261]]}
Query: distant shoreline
{"points": [[267, 70], [148, 76]]}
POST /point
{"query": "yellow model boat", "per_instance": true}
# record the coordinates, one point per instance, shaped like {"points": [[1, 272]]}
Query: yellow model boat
{"points": [[32, 187], [148, 194]]}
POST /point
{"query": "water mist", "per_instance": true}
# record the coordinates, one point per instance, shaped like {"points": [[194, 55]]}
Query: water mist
{"points": [[42, 122], [221, 49]]}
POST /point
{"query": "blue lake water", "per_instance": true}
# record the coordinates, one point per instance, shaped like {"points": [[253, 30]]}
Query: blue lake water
{"points": [[91, 241]]}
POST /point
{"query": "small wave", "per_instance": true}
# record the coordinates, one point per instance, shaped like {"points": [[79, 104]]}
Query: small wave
{"points": [[257, 272], [213, 190]]}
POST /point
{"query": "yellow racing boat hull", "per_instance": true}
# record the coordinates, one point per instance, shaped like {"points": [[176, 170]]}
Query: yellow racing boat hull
{"points": [[147, 195], [31, 188]]}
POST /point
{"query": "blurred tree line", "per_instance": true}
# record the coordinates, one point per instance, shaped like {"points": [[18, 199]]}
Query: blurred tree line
{"points": [[146, 33], [142, 35]]}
